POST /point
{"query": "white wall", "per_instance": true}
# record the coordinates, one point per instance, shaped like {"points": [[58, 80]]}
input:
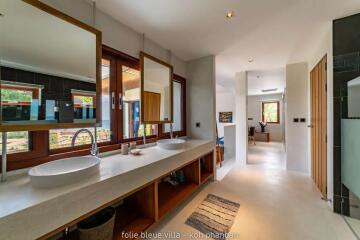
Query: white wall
{"points": [[201, 98], [225, 102], [297, 107], [229, 142], [254, 111], [241, 117], [322, 48], [116, 34]]}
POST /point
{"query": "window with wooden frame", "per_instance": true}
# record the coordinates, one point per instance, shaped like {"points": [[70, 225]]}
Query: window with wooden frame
{"points": [[16, 101], [271, 112], [120, 120]]}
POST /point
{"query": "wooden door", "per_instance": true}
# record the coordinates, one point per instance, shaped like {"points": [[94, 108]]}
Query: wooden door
{"points": [[318, 125]]}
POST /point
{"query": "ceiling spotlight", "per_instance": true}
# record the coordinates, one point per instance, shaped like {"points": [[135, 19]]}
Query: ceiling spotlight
{"points": [[250, 60], [230, 14]]}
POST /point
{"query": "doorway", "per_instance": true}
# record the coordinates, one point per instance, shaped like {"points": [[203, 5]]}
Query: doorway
{"points": [[318, 98], [265, 118]]}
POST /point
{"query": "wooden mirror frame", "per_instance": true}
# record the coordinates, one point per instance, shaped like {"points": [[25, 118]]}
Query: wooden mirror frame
{"points": [[39, 127], [145, 55]]}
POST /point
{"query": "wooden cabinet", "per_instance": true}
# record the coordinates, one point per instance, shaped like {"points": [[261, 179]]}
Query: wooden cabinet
{"points": [[140, 209]]}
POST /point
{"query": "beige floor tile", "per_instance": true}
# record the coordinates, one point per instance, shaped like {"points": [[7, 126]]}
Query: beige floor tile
{"points": [[275, 203]]}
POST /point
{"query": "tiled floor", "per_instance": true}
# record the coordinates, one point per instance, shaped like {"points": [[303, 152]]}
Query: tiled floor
{"points": [[275, 204], [268, 155]]}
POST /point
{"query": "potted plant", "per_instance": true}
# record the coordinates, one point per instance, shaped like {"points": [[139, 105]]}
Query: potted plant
{"points": [[263, 125]]}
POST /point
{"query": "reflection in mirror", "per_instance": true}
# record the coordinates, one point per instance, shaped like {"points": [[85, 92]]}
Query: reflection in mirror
{"points": [[156, 90], [353, 88], [48, 67], [131, 105], [177, 101]]}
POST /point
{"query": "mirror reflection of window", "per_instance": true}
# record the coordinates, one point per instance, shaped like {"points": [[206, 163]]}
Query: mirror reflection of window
{"points": [[131, 105], [84, 105], [177, 100], [20, 101]]}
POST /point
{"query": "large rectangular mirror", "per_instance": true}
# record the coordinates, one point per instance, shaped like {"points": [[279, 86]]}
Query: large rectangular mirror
{"points": [[49, 66], [156, 90]]}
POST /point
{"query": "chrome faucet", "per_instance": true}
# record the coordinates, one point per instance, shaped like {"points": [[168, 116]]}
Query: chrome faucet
{"points": [[94, 148], [171, 131]]}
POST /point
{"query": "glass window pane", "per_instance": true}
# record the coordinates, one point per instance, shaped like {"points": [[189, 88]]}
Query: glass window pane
{"points": [[16, 142], [271, 112], [60, 138], [104, 133], [177, 124], [131, 105]]}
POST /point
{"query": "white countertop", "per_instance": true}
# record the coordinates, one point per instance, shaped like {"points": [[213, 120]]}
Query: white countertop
{"points": [[27, 212]]}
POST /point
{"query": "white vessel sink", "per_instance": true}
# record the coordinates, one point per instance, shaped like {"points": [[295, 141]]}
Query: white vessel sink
{"points": [[64, 171], [171, 144]]}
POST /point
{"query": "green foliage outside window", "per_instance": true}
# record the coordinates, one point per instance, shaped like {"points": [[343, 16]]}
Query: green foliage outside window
{"points": [[16, 95], [271, 112]]}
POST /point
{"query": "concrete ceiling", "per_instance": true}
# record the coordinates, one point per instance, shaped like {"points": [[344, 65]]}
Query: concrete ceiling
{"points": [[272, 32], [264, 80]]}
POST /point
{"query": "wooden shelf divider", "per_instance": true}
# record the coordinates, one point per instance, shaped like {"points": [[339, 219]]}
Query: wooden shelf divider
{"points": [[206, 167]]}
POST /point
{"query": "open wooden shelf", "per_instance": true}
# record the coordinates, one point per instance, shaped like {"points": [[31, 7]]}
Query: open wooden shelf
{"points": [[139, 210], [136, 213], [130, 220], [206, 167], [206, 176], [170, 196]]}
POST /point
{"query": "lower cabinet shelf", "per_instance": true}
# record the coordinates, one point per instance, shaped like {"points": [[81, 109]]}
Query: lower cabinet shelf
{"points": [[135, 214], [129, 222], [170, 196], [205, 176], [137, 211]]}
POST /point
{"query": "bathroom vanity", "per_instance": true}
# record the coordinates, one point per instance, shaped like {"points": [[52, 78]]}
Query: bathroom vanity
{"points": [[134, 184]]}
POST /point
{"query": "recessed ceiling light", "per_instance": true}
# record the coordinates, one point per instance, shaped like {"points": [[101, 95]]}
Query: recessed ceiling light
{"points": [[230, 14], [250, 60]]}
